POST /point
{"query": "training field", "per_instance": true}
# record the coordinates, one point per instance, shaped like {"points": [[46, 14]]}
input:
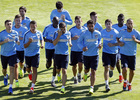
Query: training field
{"points": [[40, 10]]}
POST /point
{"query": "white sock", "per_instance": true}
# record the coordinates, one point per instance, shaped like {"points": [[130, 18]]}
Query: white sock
{"points": [[10, 85], [16, 80], [129, 83], [106, 82], [53, 78], [110, 69], [74, 77], [91, 87], [5, 76], [63, 87], [33, 85], [125, 80], [79, 74], [120, 74], [30, 72]]}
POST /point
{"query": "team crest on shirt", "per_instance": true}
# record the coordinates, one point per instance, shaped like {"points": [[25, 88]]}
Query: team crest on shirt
{"points": [[111, 36], [20, 33], [38, 36], [96, 35], [24, 24], [96, 28]]}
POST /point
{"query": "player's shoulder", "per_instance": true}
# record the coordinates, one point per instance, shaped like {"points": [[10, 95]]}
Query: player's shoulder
{"points": [[114, 30], [14, 32], [97, 32], [27, 18], [64, 10], [54, 10], [2, 31], [114, 25], [123, 30], [27, 33], [98, 24], [73, 28], [136, 31]]}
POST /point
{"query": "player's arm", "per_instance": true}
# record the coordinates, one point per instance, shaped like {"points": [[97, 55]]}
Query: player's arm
{"points": [[28, 43], [99, 42], [57, 38], [5, 41], [47, 40], [136, 40], [41, 41], [67, 19], [70, 44]]}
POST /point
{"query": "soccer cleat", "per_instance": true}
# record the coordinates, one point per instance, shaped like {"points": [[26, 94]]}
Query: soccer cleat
{"points": [[53, 84], [31, 90], [129, 88], [30, 76], [59, 78], [90, 90], [120, 78], [21, 74], [110, 74], [125, 86], [62, 90], [17, 84], [75, 81], [79, 78], [10, 91], [107, 88], [6, 80], [85, 77]]}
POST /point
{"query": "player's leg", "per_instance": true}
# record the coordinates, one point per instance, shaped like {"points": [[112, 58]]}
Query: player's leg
{"points": [[48, 58], [28, 66], [20, 55]]}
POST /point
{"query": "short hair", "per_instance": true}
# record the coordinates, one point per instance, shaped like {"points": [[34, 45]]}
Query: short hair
{"points": [[93, 13], [22, 7], [90, 22], [33, 22], [62, 25], [129, 20], [7, 21], [120, 15], [59, 5], [108, 20], [17, 16], [77, 17]]}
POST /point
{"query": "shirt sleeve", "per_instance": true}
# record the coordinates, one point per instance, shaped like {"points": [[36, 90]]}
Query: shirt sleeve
{"points": [[41, 37], [51, 16], [68, 19], [81, 41]]}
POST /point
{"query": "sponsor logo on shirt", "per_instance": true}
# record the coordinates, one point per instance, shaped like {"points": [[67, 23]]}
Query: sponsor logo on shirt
{"points": [[107, 39], [20, 33], [63, 40], [111, 36], [24, 24], [96, 35], [91, 40], [128, 39]]}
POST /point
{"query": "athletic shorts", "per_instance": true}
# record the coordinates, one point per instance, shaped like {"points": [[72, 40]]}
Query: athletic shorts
{"points": [[76, 57], [128, 61], [32, 61], [20, 56], [91, 62], [109, 59], [11, 60], [61, 61], [49, 54]]}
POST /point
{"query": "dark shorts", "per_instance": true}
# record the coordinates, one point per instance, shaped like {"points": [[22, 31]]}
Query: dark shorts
{"points": [[91, 62], [49, 54], [61, 61], [128, 61], [11, 60], [32, 61], [76, 57], [109, 59], [20, 56]]}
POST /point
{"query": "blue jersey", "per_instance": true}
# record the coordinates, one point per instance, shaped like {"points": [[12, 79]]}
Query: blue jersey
{"points": [[9, 48], [62, 46], [55, 13], [75, 31], [34, 47], [110, 37], [21, 31], [130, 46], [96, 27], [25, 22], [91, 41], [48, 33], [119, 28]]}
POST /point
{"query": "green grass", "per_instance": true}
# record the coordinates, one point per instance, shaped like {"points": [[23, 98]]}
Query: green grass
{"points": [[40, 10]]}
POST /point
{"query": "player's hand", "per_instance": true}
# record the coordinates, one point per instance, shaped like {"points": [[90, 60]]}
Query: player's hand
{"points": [[41, 46], [20, 38], [30, 40], [75, 37], [133, 37], [50, 41], [63, 17], [18, 43], [110, 44], [100, 46], [121, 44], [85, 49], [59, 32], [70, 45], [6, 40]]}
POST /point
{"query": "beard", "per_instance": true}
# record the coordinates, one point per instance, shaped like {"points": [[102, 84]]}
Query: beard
{"points": [[130, 28]]}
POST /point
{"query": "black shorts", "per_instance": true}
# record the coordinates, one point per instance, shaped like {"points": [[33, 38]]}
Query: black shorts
{"points": [[49, 54], [20, 56]]}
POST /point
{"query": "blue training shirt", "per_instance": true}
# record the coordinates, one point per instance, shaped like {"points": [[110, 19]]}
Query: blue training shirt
{"points": [[96, 27], [62, 46], [110, 37], [34, 47], [48, 33], [9, 48], [25, 22], [55, 13], [21, 31], [91, 41], [130, 46], [75, 31], [119, 28]]}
